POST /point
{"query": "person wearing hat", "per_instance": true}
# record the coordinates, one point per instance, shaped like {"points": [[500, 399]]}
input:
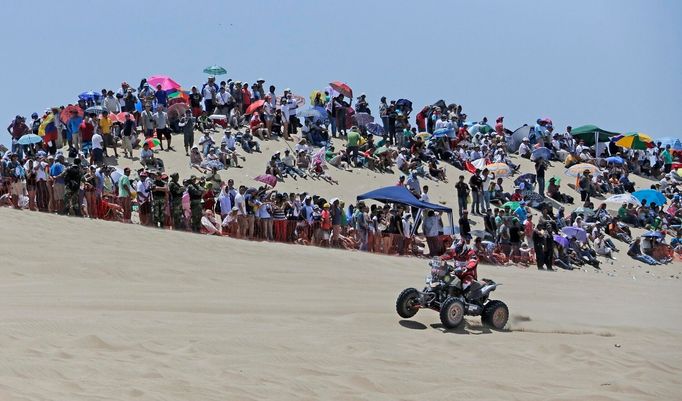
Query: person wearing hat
{"points": [[362, 106], [73, 178], [525, 150], [175, 192], [195, 194], [208, 92], [159, 193]]}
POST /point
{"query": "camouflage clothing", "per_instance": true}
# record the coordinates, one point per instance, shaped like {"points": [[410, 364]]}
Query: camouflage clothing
{"points": [[176, 191], [195, 194]]}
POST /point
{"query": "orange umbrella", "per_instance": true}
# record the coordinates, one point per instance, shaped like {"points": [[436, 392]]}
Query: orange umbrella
{"points": [[255, 106]]}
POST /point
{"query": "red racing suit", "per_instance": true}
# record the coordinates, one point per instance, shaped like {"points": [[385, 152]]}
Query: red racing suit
{"points": [[469, 274]]}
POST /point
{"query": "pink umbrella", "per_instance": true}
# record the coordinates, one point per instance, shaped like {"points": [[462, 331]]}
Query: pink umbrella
{"points": [[267, 179], [167, 83]]}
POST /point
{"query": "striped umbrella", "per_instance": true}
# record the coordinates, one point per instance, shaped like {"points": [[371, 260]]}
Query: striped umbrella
{"points": [[499, 169], [635, 140], [578, 169]]}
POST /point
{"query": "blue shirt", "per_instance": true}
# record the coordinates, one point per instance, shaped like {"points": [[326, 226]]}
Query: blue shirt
{"points": [[521, 212], [74, 124], [161, 97]]}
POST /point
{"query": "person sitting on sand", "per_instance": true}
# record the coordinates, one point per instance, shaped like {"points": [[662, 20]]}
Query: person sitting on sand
{"points": [[209, 224], [148, 160], [196, 161]]}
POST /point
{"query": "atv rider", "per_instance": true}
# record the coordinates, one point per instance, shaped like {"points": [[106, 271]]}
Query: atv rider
{"points": [[461, 252]]}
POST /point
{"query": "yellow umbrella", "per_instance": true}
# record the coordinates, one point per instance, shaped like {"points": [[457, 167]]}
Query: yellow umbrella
{"points": [[314, 94], [424, 135], [578, 169], [635, 140]]}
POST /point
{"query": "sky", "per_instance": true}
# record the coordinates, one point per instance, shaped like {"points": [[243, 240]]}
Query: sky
{"points": [[616, 64]]}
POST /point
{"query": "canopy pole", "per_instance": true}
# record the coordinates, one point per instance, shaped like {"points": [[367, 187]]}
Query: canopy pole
{"points": [[416, 221], [452, 222]]}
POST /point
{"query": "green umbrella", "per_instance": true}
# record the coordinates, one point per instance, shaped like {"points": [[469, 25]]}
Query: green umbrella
{"points": [[635, 140], [512, 205], [381, 150], [557, 181], [215, 70], [588, 133]]}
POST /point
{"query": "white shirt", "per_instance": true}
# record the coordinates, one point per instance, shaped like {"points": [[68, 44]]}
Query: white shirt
{"points": [[229, 142], [97, 141], [225, 202], [111, 105], [240, 203], [425, 197], [407, 228], [524, 149]]}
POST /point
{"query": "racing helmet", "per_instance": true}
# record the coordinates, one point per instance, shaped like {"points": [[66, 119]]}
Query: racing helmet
{"points": [[461, 249]]}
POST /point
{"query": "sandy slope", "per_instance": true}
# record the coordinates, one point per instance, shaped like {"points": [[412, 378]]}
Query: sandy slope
{"points": [[93, 310]]}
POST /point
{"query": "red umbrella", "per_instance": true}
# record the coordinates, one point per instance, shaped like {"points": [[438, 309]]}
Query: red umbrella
{"points": [[122, 116], [255, 106], [342, 88], [267, 179], [68, 110]]}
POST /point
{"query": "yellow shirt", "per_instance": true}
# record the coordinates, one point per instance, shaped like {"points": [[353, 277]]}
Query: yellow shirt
{"points": [[105, 125]]}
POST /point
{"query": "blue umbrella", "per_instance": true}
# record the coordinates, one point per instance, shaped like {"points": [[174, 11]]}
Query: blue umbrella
{"points": [[653, 234], [90, 95], [404, 103], [311, 113], [215, 70], [575, 232], [561, 240], [650, 195], [29, 139], [541, 153], [615, 160], [528, 177], [375, 129], [443, 132]]}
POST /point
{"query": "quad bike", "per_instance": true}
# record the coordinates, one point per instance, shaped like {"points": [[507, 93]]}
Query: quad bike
{"points": [[444, 293]]}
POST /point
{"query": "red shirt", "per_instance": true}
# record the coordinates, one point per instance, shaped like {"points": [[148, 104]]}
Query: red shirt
{"points": [[326, 220], [87, 130], [209, 200], [255, 121], [246, 97]]}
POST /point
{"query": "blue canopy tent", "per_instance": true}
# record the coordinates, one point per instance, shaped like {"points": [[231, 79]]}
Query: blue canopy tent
{"points": [[401, 195]]}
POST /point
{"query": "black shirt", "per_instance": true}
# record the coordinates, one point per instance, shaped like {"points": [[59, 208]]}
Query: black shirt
{"points": [[462, 189]]}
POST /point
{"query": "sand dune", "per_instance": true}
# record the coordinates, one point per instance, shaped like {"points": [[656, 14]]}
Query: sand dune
{"points": [[96, 310]]}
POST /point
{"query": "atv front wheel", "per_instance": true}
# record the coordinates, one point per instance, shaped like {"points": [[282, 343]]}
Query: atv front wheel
{"points": [[407, 304], [452, 313], [495, 315]]}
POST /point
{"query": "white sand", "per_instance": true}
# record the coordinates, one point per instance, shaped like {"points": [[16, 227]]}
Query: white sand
{"points": [[115, 312]]}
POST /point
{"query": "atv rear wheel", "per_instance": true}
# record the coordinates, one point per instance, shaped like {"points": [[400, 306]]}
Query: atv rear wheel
{"points": [[452, 313], [495, 315], [407, 304]]}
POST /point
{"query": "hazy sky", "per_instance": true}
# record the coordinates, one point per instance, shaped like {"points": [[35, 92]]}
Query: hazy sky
{"points": [[617, 64]]}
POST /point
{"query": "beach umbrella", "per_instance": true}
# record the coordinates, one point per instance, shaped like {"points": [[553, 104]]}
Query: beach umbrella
{"points": [[615, 160], [342, 88], [90, 95], [311, 113], [167, 83], [255, 106], [512, 205], [499, 169], [363, 119], [177, 110], [404, 104], [95, 110], [675, 143], [314, 94], [443, 132], [381, 150], [585, 211], [122, 116], [541, 153], [152, 142], [375, 129], [425, 136], [652, 234], [517, 137], [267, 179], [300, 100], [578, 169], [623, 198], [217, 117], [116, 174], [68, 110], [30, 139], [561, 240], [215, 70], [651, 196], [575, 232], [635, 140], [480, 128], [591, 134], [528, 177]]}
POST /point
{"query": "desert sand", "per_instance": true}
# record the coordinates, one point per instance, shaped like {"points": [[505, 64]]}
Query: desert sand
{"points": [[95, 310], [98, 310]]}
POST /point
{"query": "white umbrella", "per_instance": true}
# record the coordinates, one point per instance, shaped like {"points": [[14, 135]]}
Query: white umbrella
{"points": [[623, 198]]}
